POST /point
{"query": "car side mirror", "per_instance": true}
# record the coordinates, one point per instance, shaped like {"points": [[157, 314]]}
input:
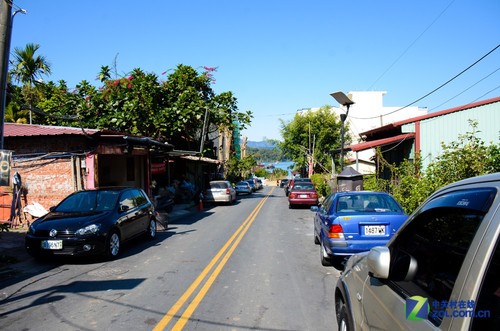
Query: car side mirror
{"points": [[398, 266], [314, 208], [379, 262], [124, 208]]}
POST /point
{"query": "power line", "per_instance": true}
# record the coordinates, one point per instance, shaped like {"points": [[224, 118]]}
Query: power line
{"points": [[436, 89], [479, 81], [413, 43]]}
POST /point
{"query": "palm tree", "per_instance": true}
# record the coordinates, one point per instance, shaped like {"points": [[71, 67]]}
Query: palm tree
{"points": [[28, 68]]}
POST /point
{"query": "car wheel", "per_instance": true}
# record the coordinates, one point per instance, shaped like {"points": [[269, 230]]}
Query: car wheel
{"points": [[316, 240], [324, 257], [113, 244], [151, 231], [343, 319], [290, 206]]}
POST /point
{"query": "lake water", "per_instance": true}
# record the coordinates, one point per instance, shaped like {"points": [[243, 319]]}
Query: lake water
{"points": [[282, 165]]}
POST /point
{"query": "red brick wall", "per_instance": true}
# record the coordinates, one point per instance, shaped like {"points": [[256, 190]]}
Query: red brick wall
{"points": [[46, 181]]}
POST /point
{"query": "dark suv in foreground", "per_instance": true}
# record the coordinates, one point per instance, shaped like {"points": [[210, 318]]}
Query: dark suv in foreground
{"points": [[440, 271]]}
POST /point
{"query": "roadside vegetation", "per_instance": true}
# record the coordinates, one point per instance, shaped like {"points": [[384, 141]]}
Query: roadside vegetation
{"points": [[174, 106], [466, 157]]}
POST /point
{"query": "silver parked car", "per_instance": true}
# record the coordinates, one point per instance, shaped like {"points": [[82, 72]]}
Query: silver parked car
{"points": [[220, 191], [441, 270], [243, 187]]}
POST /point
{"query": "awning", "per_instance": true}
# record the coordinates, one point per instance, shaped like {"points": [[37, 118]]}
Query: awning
{"points": [[381, 142], [200, 159]]}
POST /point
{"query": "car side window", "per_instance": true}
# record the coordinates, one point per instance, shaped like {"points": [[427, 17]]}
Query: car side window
{"points": [[140, 198], [325, 207], [438, 239], [127, 200]]}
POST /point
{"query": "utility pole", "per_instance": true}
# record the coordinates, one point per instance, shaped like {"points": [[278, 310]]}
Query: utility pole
{"points": [[6, 18], [5, 34]]}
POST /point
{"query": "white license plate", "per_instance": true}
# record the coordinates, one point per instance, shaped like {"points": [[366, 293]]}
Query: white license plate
{"points": [[375, 230], [52, 244], [303, 196]]}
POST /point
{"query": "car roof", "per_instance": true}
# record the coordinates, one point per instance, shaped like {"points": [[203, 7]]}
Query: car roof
{"points": [[343, 193], [490, 178], [111, 188]]}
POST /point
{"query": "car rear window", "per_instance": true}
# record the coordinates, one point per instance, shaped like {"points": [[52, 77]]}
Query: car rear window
{"points": [[367, 203], [303, 187]]}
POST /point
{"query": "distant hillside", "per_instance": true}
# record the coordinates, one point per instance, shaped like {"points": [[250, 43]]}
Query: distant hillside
{"points": [[260, 144]]}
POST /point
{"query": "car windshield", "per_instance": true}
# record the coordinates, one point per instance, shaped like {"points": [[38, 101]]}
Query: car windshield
{"points": [[88, 201], [367, 203], [242, 184]]}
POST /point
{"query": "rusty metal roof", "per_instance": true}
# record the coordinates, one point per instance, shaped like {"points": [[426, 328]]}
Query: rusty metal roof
{"points": [[32, 130]]}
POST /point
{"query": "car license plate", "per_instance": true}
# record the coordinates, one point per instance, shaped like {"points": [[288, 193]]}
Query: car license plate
{"points": [[303, 196], [375, 230], [52, 244]]}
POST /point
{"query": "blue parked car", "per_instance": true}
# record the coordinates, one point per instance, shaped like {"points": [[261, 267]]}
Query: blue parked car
{"points": [[347, 223]]}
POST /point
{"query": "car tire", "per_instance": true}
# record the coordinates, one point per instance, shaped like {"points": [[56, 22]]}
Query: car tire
{"points": [[113, 245], [151, 230], [316, 240], [290, 206], [343, 319], [323, 255]]}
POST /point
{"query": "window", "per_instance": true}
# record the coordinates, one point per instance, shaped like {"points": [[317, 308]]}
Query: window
{"points": [[127, 200], [438, 238], [489, 297]]}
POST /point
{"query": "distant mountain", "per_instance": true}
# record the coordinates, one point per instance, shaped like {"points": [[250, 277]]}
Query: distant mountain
{"points": [[260, 144]]}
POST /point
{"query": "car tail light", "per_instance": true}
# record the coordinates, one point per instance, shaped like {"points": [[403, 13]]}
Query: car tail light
{"points": [[292, 195], [227, 191], [336, 231], [314, 195]]}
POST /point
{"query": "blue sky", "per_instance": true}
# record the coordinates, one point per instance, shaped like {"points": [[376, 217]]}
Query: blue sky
{"points": [[279, 56]]}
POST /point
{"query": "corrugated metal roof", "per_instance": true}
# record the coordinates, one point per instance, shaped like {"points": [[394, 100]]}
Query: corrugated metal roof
{"points": [[430, 115], [31, 130], [380, 142]]}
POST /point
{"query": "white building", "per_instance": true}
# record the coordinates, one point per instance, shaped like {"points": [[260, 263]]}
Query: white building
{"points": [[368, 112]]}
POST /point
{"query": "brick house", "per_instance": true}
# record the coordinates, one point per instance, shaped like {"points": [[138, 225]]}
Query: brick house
{"points": [[56, 161]]}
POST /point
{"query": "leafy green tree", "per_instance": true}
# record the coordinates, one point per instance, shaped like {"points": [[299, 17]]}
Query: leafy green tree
{"points": [[141, 104], [239, 169], [27, 69], [313, 133], [261, 172]]}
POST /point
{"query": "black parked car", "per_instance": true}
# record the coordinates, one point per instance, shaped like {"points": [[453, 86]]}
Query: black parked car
{"points": [[93, 222]]}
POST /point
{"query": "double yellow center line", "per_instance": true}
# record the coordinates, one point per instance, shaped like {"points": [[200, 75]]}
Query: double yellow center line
{"points": [[225, 252]]}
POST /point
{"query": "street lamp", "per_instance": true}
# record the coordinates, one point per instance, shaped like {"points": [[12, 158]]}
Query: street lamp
{"points": [[346, 102]]}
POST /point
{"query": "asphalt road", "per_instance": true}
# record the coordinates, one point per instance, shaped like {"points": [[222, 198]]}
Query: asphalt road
{"points": [[248, 266]]}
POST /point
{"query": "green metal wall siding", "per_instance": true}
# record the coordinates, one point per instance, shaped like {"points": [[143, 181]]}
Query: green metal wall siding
{"points": [[447, 128]]}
